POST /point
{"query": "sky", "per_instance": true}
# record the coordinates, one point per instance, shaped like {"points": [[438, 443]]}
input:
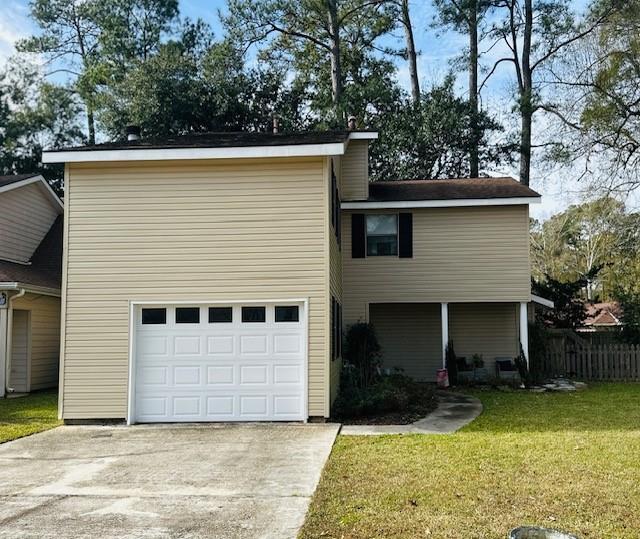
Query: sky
{"points": [[437, 49]]}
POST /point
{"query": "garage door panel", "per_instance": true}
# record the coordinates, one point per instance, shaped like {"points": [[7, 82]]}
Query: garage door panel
{"points": [[220, 371]]}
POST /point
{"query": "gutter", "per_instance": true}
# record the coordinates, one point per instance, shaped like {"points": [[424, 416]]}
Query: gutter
{"points": [[9, 335], [43, 290]]}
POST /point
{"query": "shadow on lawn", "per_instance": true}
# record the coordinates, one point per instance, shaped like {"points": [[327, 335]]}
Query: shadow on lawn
{"points": [[600, 407]]}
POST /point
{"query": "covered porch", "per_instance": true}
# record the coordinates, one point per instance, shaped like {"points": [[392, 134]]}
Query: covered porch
{"points": [[414, 336]]}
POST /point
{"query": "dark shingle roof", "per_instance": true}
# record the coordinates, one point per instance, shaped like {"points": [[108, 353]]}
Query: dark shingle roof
{"points": [[46, 263], [220, 140], [458, 189], [14, 178]]}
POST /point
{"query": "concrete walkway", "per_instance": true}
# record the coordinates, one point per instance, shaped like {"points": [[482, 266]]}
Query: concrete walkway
{"points": [[454, 411]]}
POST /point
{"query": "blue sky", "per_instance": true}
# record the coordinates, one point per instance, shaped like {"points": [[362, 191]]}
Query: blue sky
{"points": [[437, 49]]}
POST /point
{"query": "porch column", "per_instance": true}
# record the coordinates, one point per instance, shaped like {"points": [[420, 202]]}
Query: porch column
{"points": [[444, 317], [3, 343], [524, 330]]}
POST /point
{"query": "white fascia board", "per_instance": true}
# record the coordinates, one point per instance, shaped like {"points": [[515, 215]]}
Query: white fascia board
{"points": [[55, 200], [363, 135], [451, 203], [167, 154], [542, 301], [44, 290]]}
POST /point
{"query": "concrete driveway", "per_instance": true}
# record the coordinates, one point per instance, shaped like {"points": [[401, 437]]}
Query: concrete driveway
{"points": [[222, 481]]}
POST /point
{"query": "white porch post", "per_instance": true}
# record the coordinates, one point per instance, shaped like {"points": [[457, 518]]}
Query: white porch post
{"points": [[3, 345], [524, 330], [444, 317]]}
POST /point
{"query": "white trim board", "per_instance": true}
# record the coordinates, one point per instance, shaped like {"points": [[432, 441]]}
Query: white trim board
{"points": [[449, 203], [237, 152], [38, 178]]}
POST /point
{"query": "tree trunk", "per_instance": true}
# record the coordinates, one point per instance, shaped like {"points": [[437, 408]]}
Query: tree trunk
{"points": [[91, 124], [411, 52], [474, 160], [336, 65], [526, 96]]}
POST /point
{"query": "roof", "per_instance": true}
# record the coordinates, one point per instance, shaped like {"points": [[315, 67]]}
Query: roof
{"points": [[603, 314], [45, 269], [15, 178], [220, 140], [452, 189]]}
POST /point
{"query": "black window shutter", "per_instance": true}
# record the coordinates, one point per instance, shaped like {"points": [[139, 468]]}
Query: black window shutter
{"points": [[333, 327], [405, 230], [358, 238]]}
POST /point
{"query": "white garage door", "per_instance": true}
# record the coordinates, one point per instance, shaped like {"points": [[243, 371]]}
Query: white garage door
{"points": [[244, 362]]}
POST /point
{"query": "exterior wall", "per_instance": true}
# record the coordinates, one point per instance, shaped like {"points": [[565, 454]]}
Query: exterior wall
{"points": [[26, 215], [355, 171], [179, 231], [45, 338], [19, 351], [469, 254], [409, 335], [335, 287], [490, 329]]}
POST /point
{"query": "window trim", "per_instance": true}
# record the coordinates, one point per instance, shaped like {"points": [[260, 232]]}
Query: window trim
{"points": [[366, 235]]}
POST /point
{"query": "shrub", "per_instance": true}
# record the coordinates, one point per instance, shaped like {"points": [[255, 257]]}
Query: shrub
{"points": [[362, 354], [451, 362]]}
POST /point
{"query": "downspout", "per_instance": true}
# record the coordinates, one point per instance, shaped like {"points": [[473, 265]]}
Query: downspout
{"points": [[7, 373]]}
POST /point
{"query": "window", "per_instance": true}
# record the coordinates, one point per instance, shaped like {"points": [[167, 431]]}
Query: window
{"points": [[287, 313], [187, 315], [382, 235], [154, 316], [220, 315], [253, 314]]}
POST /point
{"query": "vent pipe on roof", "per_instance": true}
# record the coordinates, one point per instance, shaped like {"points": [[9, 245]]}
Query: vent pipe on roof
{"points": [[133, 132], [351, 123]]}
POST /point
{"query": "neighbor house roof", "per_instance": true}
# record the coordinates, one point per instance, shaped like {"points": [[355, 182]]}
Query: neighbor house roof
{"points": [[441, 193], [603, 314], [45, 267], [15, 178], [213, 145]]}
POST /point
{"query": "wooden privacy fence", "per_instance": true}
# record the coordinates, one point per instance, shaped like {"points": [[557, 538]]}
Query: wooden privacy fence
{"points": [[611, 361]]}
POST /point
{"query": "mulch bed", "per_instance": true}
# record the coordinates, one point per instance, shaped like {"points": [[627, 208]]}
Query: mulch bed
{"points": [[405, 417]]}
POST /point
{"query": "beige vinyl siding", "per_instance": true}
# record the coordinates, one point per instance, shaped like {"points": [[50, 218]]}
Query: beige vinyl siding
{"points": [[335, 286], [471, 254], [19, 351], [409, 335], [355, 171], [26, 215], [45, 338], [179, 231], [490, 329]]}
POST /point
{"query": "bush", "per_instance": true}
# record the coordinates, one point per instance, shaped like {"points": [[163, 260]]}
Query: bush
{"points": [[362, 354], [391, 393]]}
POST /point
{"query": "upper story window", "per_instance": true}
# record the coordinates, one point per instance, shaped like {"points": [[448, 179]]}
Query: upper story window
{"points": [[382, 235]]}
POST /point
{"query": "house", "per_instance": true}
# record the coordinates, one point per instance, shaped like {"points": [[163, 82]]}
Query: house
{"points": [[602, 317], [208, 277], [30, 279]]}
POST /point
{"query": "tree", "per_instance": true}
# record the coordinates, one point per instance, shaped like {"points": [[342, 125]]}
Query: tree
{"points": [[68, 40], [598, 233], [410, 54], [534, 36], [598, 102], [308, 28], [466, 16], [569, 308], [34, 115], [432, 139]]}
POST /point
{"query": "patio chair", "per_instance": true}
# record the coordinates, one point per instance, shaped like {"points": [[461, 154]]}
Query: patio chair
{"points": [[506, 369]]}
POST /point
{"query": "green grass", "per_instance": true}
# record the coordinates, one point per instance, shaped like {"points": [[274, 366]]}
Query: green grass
{"points": [[22, 416], [567, 461]]}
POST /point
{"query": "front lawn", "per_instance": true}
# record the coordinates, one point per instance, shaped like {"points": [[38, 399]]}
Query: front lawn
{"points": [[568, 461], [22, 416]]}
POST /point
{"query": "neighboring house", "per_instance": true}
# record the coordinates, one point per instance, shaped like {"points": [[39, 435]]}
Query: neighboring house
{"points": [[602, 317], [30, 276], [207, 278]]}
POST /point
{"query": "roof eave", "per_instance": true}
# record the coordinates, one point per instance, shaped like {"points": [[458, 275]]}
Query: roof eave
{"points": [[55, 200], [44, 290], [443, 203]]}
